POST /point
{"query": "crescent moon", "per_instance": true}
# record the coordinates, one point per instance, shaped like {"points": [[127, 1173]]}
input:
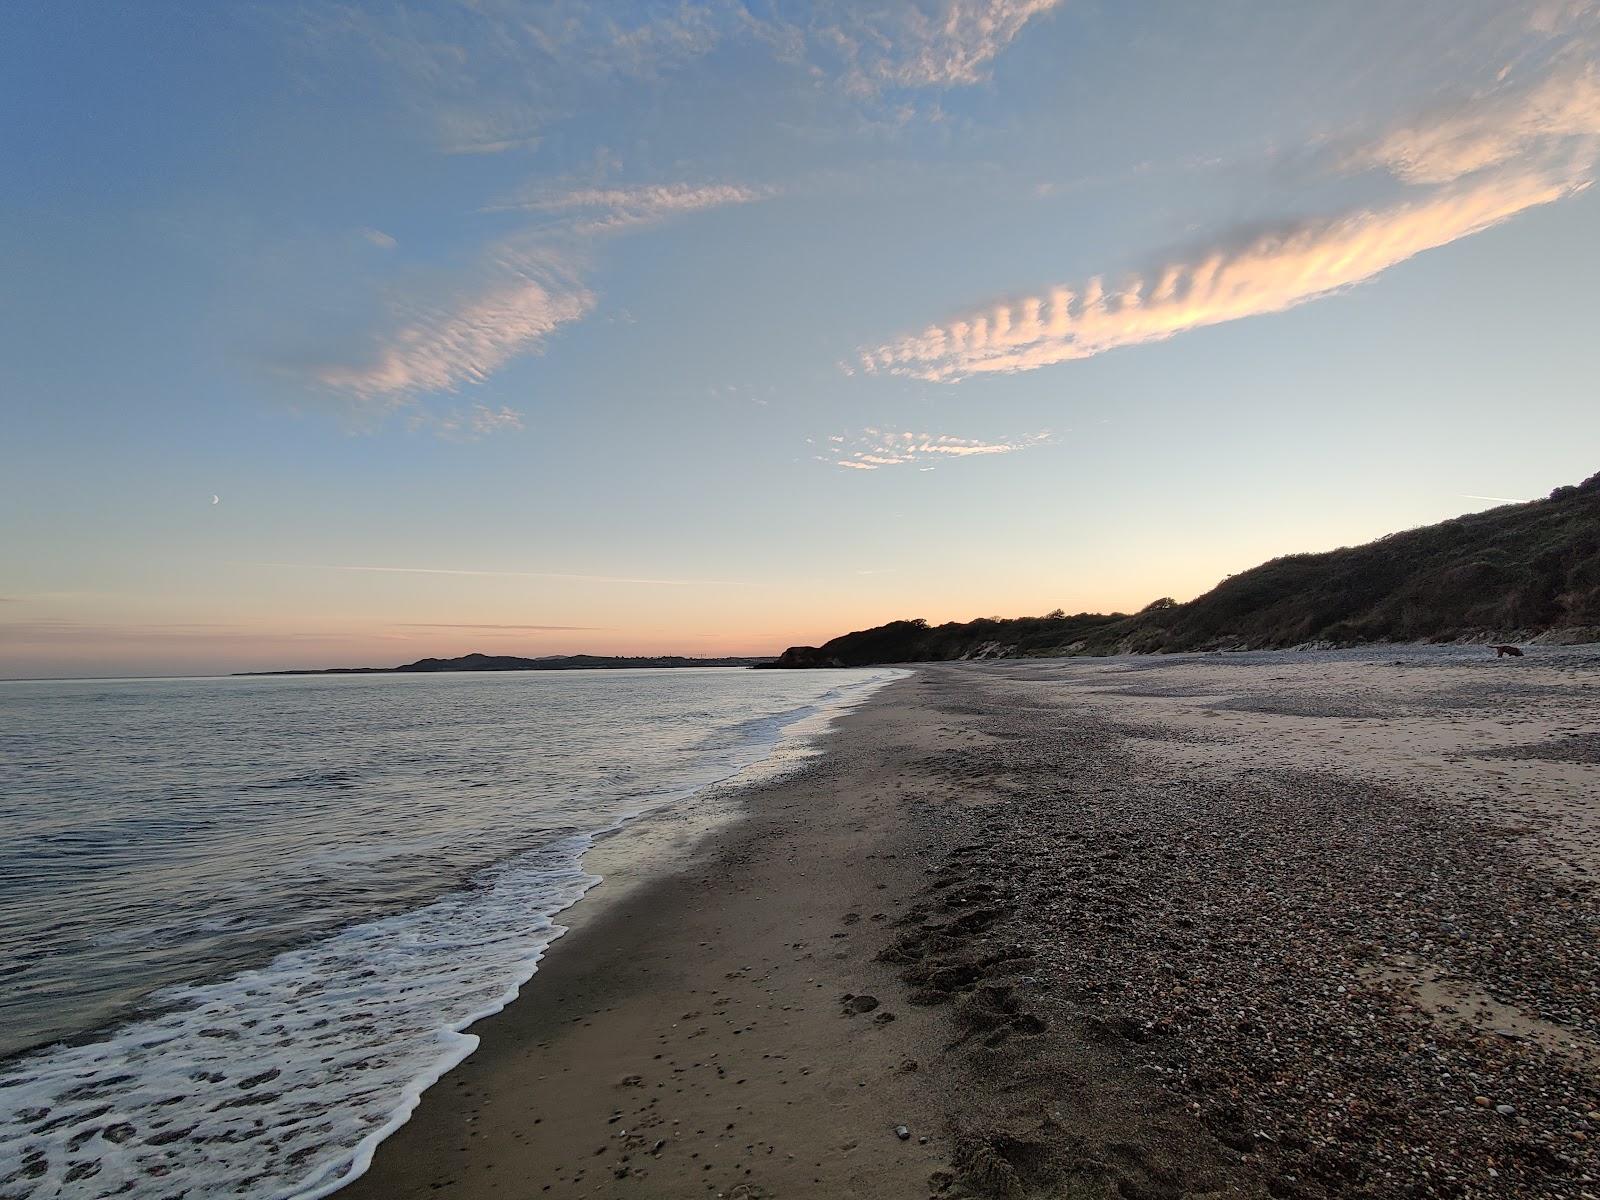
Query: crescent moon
{"points": [[216, 499]]}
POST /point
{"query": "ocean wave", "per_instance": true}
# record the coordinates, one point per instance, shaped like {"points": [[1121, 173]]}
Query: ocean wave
{"points": [[278, 1083]]}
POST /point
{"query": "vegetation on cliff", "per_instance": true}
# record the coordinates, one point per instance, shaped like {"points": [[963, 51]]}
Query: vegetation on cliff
{"points": [[1511, 573]]}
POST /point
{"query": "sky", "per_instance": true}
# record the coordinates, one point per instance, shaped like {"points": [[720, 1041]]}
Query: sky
{"points": [[346, 333]]}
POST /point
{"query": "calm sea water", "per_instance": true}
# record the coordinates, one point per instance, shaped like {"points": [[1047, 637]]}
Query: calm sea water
{"points": [[244, 921]]}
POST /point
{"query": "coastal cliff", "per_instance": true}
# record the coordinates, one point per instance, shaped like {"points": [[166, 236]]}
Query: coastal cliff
{"points": [[1520, 572]]}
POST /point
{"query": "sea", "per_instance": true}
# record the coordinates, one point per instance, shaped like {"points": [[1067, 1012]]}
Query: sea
{"points": [[245, 922]]}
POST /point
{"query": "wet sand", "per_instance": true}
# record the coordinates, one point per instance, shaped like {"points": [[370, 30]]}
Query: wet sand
{"points": [[1245, 925], [691, 1037]]}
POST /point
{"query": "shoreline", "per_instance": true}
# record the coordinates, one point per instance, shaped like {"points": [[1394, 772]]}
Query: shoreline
{"points": [[332, 1040], [637, 850], [1144, 928], [654, 965]]}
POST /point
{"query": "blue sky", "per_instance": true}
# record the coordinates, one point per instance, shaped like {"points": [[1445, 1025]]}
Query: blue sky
{"points": [[718, 327]]}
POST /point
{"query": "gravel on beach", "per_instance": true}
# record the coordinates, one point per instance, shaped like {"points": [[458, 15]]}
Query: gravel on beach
{"points": [[1357, 989], [1304, 926]]}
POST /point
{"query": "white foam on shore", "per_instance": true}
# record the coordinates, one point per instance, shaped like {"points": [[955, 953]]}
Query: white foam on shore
{"points": [[279, 1083]]}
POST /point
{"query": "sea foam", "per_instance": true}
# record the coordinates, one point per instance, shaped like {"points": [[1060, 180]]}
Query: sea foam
{"points": [[279, 1082]]}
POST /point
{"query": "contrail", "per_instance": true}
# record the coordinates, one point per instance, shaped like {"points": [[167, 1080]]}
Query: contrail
{"points": [[520, 628]]}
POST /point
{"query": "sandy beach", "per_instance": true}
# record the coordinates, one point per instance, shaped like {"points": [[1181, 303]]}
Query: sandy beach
{"points": [[1279, 924]]}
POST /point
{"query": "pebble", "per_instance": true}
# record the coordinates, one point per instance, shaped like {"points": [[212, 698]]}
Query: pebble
{"points": [[1258, 938]]}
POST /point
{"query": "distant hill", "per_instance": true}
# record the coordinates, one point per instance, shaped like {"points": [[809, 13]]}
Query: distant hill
{"points": [[1513, 573], [508, 662]]}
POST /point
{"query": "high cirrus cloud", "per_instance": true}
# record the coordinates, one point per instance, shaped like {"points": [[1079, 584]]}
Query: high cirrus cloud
{"points": [[491, 76], [1557, 115], [475, 422], [948, 43], [874, 448], [610, 209], [1252, 276], [527, 288], [1527, 139], [464, 342]]}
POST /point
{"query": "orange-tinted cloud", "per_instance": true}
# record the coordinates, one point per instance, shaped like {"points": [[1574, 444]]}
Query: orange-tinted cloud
{"points": [[465, 343], [529, 289], [1266, 273], [1557, 115]]}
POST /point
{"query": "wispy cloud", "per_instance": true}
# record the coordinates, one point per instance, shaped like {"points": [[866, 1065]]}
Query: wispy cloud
{"points": [[942, 44], [464, 341], [1529, 138], [1552, 17], [493, 145], [1495, 499], [872, 449], [629, 579], [462, 132], [1556, 116], [472, 423], [528, 287], [1232, 279], [608, 209], [490, 75]]}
